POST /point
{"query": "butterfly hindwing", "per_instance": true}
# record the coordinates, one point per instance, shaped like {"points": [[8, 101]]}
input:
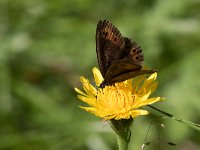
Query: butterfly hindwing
{"points": [[131, 62]]}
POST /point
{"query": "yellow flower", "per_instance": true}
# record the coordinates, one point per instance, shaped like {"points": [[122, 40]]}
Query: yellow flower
{"points": [[120, 101]]}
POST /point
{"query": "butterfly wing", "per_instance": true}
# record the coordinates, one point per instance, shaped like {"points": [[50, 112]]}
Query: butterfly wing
{"points": [[119, 58], [109, 45]]}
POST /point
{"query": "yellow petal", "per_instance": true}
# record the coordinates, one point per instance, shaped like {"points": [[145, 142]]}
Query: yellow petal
{"points": [[109, 117], [122, 116], [150, 81], [88, 100], [145, 97], [89, 109], [149, 101], [97, 76], [153, 87], [89, 89], [152, 77], [129, 84], [137, 81], [137, 112], [79, 92], [153, 100]]}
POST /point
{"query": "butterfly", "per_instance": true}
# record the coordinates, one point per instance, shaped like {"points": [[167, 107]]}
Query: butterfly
{"points": [[119, 57]]}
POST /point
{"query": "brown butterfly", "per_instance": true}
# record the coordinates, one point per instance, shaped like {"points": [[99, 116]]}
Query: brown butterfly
{"points": [[119, 58]]}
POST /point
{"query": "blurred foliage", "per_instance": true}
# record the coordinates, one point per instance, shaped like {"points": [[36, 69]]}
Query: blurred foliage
{"points": [[46, 45]]}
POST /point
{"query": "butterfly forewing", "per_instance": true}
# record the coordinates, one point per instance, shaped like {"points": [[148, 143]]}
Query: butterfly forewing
{"points": [[129, 75], [109, 43], [120, 67]]}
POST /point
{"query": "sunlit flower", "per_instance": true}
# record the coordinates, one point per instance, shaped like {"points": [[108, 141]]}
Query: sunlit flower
{"points": [[120, 101]]}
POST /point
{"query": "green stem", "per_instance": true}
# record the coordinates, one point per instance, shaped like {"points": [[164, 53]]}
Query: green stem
{"points": [[122, 142], [123, 133]]}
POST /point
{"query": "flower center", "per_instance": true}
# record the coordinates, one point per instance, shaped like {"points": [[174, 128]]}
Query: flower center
{"points": [[115, 98]]}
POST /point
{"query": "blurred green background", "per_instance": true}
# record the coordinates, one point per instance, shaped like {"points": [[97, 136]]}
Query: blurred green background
{"points": [[45, 45]]}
